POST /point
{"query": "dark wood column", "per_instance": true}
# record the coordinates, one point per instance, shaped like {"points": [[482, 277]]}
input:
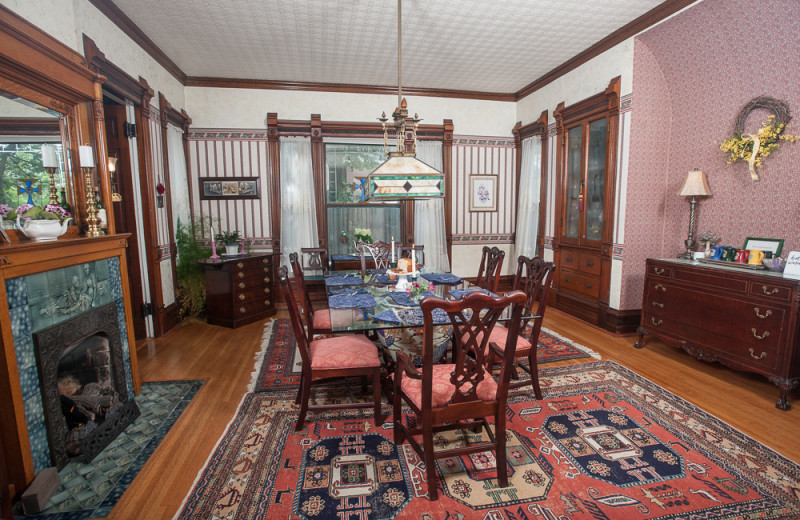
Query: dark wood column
{"points": [[447, 169], [320, 177], [273, 139]]}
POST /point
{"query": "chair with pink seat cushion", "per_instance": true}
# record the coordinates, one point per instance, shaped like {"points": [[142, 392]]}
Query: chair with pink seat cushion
{"points": [[461, 394], [351, 355], [320, 319], [534, 276]]}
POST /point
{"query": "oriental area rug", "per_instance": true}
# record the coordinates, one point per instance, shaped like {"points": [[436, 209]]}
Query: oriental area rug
{"points": [[280, 369], [604, 444]]}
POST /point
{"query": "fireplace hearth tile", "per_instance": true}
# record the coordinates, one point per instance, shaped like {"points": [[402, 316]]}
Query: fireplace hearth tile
{"points": [[16, 292], [20, 322], [24, 350], [29, 381], [114, 277]]}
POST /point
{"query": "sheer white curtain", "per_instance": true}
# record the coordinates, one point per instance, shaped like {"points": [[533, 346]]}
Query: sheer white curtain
{"points": [[178, 183], [530, 181], [429, 215], [298, 210]]}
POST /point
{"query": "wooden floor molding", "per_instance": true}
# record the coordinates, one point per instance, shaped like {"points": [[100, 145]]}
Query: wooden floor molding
{"points": [[224, 358]]}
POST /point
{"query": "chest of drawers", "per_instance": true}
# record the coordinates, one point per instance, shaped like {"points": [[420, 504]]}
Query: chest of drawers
{"points": [[240, 290], [747, 320]]}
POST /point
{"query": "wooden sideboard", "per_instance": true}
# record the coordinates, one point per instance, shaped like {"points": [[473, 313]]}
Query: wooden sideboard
{"points": [[745, 319], [240, 289]]}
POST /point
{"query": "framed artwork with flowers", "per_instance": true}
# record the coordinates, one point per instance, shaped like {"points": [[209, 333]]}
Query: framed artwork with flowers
{"points": [[483, 193]]}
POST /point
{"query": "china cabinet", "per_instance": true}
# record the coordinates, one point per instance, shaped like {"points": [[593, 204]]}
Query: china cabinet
{"points": [[586, 167]]}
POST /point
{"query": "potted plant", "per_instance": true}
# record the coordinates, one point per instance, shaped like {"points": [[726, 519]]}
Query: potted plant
{"points": [[41, 224], [231, 241]]}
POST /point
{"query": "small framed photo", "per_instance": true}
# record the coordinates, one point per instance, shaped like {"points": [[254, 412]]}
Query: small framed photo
{"points": [[773, 245], [483, 193], [223, 188]]}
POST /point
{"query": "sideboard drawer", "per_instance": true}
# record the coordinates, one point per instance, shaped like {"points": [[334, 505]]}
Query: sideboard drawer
{"points": [[579, 283], [770, 290]]}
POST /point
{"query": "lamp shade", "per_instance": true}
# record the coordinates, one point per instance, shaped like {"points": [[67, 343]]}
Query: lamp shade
{"points": [[695, 185]]}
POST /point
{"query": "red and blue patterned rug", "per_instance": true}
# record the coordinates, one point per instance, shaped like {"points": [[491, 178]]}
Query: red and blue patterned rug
{"points": [[604, 444], [278, 367]]}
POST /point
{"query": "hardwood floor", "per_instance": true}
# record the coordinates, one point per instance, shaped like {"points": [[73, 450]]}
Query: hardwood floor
{"points": [[225, 359]]}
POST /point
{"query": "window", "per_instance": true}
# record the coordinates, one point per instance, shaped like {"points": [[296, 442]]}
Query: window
{"points": [[346, 165], [20, 162]]}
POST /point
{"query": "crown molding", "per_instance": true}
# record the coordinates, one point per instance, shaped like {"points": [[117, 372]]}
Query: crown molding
{"points": [[199, 81], [647, 20], [115, 14]]}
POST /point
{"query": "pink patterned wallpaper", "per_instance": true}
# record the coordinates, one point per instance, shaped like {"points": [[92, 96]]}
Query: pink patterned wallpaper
{"points": [[691, 76]]}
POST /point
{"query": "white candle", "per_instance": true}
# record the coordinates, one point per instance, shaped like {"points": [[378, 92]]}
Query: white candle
{"points": [[392, 249], [87, 157], [49, 159], [413, 260], [212, 234]]}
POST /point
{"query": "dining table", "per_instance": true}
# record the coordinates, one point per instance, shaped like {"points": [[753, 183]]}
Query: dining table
{"points": [[374, 306]]}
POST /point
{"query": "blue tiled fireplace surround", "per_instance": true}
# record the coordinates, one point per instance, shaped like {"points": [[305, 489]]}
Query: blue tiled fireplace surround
{"points": [[41, 300]]}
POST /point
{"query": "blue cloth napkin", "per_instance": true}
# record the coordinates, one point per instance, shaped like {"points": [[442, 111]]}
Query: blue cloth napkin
{"points": [[442, 278], [458, 293], [384, 279], [350, 292], [351, 301], [401, 298], [411, 317], [348, 279]]}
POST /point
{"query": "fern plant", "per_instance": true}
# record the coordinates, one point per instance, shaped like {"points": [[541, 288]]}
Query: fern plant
{"points": [[191, 277]]}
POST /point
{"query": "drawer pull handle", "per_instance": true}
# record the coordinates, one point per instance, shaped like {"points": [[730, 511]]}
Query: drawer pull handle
{"points": [[243, 310], [266, 290], [753, 354], [266, 279], [661, 287], [240, 264], [588, 286], [569, 280], [658, 304], [242, 285], [755, 334], [765, 315], [266, 269], [267, 302], [658, 270], [242, 297], [265, 260], [590, 263], [773, 291], [240, 275], [656, 322]]}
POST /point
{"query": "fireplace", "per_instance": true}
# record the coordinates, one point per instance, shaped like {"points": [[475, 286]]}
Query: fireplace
{"points": [[83, 386]]}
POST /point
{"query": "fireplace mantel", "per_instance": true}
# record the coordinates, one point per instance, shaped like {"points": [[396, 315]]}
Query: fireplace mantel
{"points": [[23, 259]]}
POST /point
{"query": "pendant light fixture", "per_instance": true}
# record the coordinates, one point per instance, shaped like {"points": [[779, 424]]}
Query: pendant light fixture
{"points": [[402, 175]]}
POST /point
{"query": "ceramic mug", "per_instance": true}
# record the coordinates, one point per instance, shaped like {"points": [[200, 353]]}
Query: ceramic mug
{"points": [[756, 256], [741, 256], [717, 252], [728, 254]]}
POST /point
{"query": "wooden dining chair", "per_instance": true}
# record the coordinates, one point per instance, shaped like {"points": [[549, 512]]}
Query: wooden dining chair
{"points": [[461, 394], [489, 270], [534, 277], [380, 252], [314, 258], [351, 355], [320, 320]]}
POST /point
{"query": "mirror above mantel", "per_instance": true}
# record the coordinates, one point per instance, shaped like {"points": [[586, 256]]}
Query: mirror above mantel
{"points": [[39, 72]]}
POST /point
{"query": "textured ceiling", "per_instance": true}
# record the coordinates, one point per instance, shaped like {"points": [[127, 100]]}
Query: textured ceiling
{"points": [[475, 45]]}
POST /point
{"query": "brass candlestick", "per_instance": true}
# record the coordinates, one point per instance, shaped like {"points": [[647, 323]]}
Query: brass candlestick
{"points": [[51, 173], [91, 212]]}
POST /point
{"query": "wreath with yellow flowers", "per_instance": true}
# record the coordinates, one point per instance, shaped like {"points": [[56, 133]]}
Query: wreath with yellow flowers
{"points": [[752, 148]]}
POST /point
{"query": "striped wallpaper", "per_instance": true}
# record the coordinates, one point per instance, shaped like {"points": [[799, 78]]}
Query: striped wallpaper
{"points": [[231, 154], [484, 156]]}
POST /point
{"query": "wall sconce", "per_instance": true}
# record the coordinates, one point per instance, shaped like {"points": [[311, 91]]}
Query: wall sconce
{"points": [[112, 169], [695, 185]]}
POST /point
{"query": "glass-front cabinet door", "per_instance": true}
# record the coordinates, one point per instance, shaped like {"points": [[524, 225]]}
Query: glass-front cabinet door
{"points": [[585, 182]]}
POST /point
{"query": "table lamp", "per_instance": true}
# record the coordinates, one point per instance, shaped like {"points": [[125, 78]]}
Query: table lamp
{"points": [[695, 185]]}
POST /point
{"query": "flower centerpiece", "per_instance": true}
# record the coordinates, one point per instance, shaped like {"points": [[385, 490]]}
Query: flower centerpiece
{"points": [[414, 290], [231, 240], [363, 235], [47, 223]]}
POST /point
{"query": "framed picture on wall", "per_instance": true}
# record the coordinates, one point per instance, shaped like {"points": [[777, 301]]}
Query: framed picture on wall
{"points": [[229, 188], [483, 193]]}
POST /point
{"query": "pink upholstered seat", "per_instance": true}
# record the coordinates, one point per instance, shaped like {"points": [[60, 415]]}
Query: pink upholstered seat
{"points": [[343, 352], [443, 389], [321, 320], [498, 336]]}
